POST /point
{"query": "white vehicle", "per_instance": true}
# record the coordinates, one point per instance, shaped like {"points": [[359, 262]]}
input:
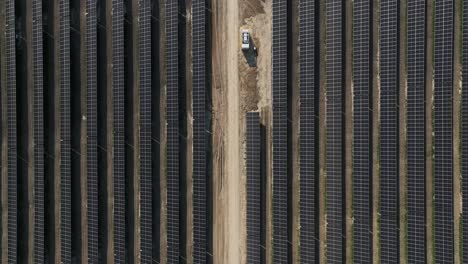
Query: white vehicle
{"points": [[245, 39]]}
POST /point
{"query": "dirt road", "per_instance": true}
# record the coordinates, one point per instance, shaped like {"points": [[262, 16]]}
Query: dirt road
{"points": [[226, 175]]}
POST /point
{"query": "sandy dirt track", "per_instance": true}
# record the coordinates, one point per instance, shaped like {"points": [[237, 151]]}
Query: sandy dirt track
{"points": [[226, 180]]}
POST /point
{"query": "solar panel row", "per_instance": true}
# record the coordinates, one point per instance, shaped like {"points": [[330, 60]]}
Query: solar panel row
{"points": [[117, 21], [280, 130], [200, 128], [416, 144], [253, 188], [8, 80], [443, 131], [172, 93], [362, 140], [146, 186], [334, 130], [91, 126], [38, 129], [308, 173], [65, 137], [389, 138]]}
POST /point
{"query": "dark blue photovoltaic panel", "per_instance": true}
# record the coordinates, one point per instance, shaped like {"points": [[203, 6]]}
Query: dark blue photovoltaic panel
{"points": [[464, 136], [38, 131], [146, 186], [118, 133], [91, 126], [389, 143], [280, 130], [199, 55], [443, 132], [416, 132], [335, 207], [308, 177], [172, 114], [362, 137], [65, 147], [10, 61], [253, 188]]}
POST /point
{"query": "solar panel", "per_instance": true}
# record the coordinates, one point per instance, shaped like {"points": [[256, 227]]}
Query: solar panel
{"points": [[389, 142], [416, 132], [464, 136], [146, 186], [443, 132], [65, 148], [172, 155], [119, 130], [38, 131], [91, 126], [362, 140], [280, 129], [308, 173], [10, 80], [253, 189], [157, 91], [199, 69], [334, 129]]}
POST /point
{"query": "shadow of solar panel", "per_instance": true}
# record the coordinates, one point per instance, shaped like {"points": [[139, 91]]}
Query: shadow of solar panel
{"points": [[308, 176], [334, 129], [362, 125], [280, 139], [443, 132], [253, 188], [389, 142]]}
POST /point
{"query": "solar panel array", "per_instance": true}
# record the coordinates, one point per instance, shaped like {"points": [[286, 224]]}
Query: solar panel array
{"points": [[464, 135], [91, 126], [389, 142], [443, 132], [334, 129], [172, 115], [416, 132], [119, 129], [38, 130], [308, 173], [65, 140], [362, 140], [253, 188], [199, 88], [10, 63], [280, 130], [146, 186]]}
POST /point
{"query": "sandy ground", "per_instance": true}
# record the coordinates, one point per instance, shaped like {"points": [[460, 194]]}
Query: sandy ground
{"points": [[322, 139], [457, 86], [226, 182], [348, 94], [295, 137], [403, 138], [375, 131], [163, 139], [189, 136], [430, 132], [237, 89]]}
